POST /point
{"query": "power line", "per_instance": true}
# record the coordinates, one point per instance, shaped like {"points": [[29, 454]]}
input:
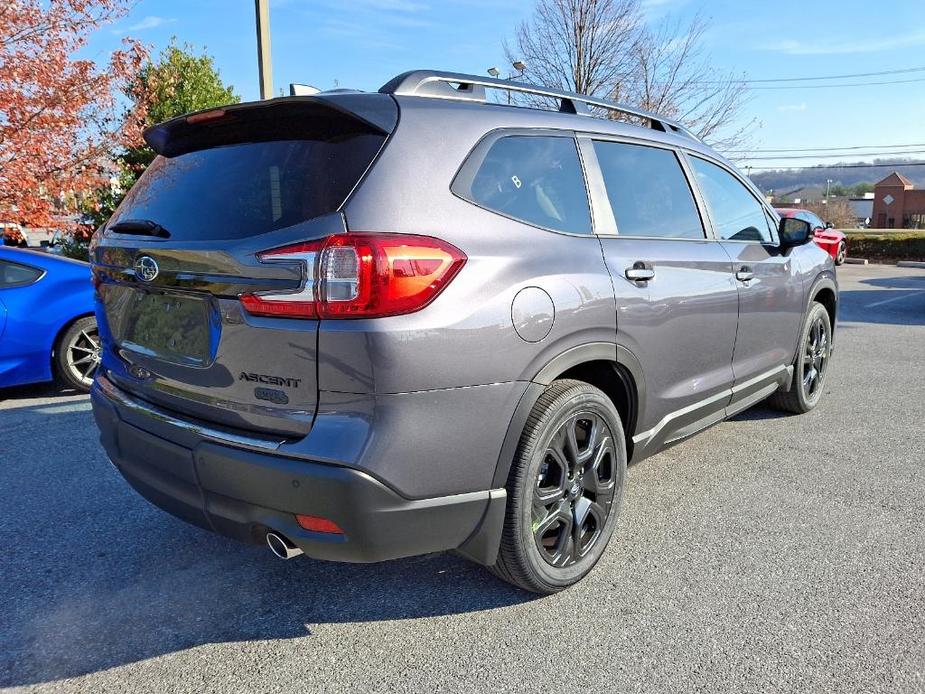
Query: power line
{"points": [[826, 149], [837, 166], [837, 86], [815, 79], [831, 156]]}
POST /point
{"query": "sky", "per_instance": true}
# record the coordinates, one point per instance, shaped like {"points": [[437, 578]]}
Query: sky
{"points": [[363, 43]]}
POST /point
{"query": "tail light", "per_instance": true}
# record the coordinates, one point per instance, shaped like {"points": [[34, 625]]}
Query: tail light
{"points": [[361, 276]]}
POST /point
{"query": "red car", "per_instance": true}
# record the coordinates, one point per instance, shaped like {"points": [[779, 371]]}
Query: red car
{"points": [[832, 241]]}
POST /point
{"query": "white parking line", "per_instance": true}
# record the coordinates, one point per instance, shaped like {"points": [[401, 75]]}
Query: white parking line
{"points": [[895, 298]]}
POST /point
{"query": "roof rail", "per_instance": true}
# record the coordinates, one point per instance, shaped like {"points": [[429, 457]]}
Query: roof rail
{"points": [[462, 87]]}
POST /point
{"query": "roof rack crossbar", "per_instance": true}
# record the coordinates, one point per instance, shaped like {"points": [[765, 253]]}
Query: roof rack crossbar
{"points": [[439, 85]]}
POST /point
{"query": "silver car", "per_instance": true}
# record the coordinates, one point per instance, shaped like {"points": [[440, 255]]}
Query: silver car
{"points": [[363, 326]]}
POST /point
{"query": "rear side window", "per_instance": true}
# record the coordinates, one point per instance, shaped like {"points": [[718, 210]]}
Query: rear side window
{"points": [[648, 191], [16, 275], [258, 173], [536, 179], [737, 214]]}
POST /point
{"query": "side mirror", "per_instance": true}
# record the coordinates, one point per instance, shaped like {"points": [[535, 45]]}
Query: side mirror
{"points": [[829, 225], [794, 232]]}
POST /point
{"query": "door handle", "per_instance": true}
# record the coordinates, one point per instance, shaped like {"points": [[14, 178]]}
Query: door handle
{"points": [[639, 273], [745, 274]]}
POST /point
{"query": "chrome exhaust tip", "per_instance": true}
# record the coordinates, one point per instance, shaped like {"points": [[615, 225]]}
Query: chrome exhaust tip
{"points": [[281, 547]]}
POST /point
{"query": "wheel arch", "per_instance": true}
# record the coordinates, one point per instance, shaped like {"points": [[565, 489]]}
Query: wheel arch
{"points": [[825, 291], [608, 366]]}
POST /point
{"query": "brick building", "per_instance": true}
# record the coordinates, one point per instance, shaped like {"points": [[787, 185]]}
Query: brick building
{"points": [[897, 205]]}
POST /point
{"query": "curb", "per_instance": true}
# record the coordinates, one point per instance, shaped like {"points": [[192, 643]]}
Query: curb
{"points": [[910, 263], [859, 261]]}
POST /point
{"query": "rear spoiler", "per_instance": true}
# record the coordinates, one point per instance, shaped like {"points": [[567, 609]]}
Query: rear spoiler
{"points": [[284, 118]]}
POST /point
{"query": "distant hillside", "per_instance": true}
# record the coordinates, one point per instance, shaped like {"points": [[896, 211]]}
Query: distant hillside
{"points": [[791, 179]]}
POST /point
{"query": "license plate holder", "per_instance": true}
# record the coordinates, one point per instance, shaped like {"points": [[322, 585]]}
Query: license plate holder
{"points": [[167, 326]]}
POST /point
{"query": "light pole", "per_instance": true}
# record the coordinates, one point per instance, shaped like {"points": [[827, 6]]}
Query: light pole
{"points": [[828, 187], [518, 65], [264, 62]]}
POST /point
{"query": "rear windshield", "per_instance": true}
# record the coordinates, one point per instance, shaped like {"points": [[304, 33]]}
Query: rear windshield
{"points": [[240, 189]]}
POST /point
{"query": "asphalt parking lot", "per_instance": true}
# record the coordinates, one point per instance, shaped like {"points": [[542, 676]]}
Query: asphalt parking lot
{"points": [[770, 553]]}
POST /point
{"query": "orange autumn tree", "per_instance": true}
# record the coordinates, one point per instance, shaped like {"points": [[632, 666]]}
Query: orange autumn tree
{"points": [[59, 118]]}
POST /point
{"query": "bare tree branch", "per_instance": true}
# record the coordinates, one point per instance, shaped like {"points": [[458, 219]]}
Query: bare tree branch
{"points": [[605, 48]]}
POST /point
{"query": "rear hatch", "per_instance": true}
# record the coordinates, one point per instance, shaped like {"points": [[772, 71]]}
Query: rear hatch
{"points": [[172, 262]]}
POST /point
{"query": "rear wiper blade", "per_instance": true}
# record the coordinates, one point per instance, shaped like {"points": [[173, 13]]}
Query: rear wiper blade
{"points": [[142, 227]]}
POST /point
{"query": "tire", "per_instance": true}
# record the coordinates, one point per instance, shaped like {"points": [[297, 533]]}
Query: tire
{"points": [[814, 354], [841, 254], [581, 481], [77, 354]]}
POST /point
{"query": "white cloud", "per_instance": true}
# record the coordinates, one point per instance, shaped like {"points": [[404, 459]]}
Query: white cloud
{"points": [[785, 108], [383, 5], [149, 22], [653, 9], [845, 46]]}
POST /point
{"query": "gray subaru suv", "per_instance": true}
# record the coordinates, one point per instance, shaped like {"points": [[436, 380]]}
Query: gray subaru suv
{"points": [[363, 326]]}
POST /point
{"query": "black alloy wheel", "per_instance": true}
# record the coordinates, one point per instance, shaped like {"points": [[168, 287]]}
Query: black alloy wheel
{"points": [[574, 489], [565, 489], [810, 366], [815, 358]]}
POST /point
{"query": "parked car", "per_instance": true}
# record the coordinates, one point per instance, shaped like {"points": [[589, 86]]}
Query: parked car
{"points": [[832, 241], [47, 326], [365, 326]]}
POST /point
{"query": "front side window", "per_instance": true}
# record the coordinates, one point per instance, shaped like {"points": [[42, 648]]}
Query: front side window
{"points": [[16, 275], [648, 191], [533, 178], [737, 214]]}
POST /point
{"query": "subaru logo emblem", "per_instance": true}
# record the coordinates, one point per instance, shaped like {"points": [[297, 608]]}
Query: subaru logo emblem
{"points": [[139, 372], [146, 268]]}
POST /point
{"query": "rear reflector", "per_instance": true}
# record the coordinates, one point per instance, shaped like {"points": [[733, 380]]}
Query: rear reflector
{"points": [[319, 525], [361, 276]]}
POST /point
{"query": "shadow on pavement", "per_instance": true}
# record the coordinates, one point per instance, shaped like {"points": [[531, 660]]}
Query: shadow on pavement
{"points": [[96, 578], [896, 306], [912, 282], [36, 390], [758, 413]]}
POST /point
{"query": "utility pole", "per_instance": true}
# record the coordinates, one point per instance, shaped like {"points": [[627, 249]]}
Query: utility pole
{"points": [[264, 62]]}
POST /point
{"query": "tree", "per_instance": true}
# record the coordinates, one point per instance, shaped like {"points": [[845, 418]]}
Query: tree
{"points": [[838, 211], [58, 114], [583, 46], [605, 48], [178, 82]]}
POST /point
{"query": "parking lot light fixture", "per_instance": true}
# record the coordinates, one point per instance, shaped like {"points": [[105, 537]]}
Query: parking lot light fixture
{"points": [[494, 72]]}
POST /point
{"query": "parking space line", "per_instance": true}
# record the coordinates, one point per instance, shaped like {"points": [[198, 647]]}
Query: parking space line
{"points": [[895, 298]]}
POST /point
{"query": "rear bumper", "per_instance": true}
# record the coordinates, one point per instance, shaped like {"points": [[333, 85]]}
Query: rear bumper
{"points": [[240, 488]]}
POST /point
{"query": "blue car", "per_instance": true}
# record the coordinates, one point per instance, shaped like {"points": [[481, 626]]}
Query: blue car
{"points": [[47, 325]]}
